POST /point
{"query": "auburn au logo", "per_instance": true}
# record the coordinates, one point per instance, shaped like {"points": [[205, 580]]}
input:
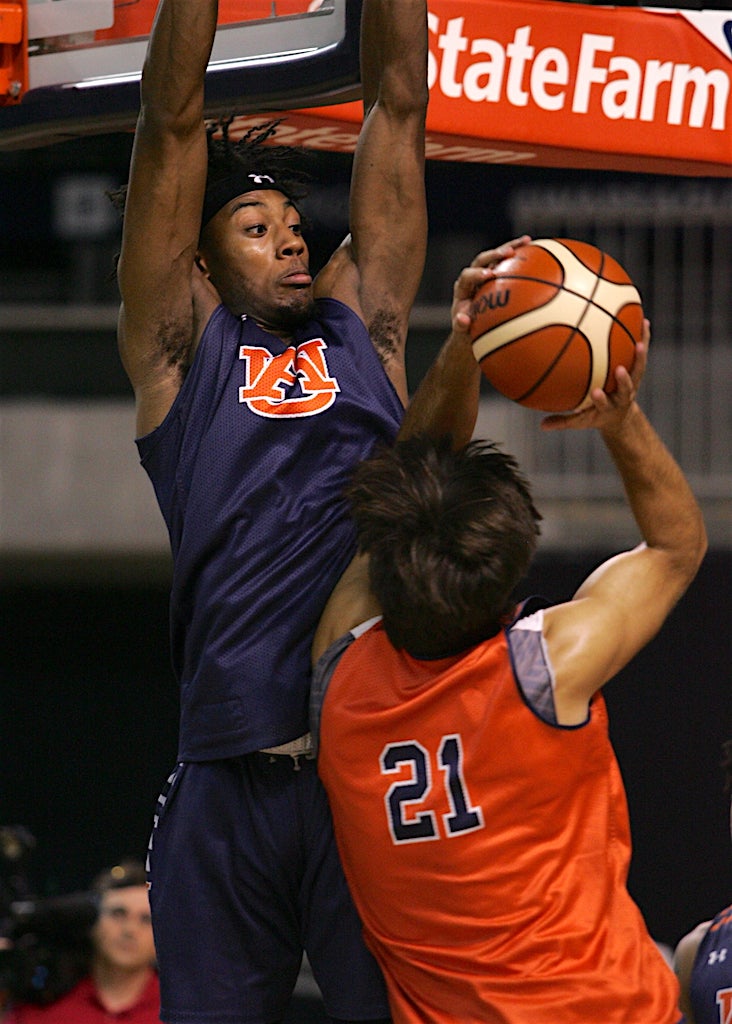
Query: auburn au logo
{"points": [[294, 383], [724, 1002]]}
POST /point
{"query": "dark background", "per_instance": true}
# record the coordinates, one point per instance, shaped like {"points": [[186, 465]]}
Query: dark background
{"points": [[89, 721]]}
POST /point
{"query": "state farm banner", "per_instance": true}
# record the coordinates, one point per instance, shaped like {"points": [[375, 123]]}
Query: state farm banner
{"points": [[558, 84], [538, 82]]}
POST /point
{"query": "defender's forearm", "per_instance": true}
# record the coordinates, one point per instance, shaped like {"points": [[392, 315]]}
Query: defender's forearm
{"points": [[446, 401]]}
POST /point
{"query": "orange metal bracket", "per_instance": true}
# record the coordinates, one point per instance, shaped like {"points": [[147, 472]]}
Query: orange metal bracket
{"points": [[13, 51]]}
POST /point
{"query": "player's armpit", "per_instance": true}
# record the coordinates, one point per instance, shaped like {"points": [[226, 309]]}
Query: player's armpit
{"points": [[350, 604]]}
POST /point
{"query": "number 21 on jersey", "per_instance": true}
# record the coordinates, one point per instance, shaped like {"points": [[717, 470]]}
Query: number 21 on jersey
{"points": [[408, 824]]}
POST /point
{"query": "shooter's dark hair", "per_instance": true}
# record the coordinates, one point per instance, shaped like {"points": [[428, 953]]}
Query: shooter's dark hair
{"points": [[449, 534]]}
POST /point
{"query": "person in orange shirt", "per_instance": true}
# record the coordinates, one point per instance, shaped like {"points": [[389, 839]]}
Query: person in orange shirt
{"points": [[463, 742]]}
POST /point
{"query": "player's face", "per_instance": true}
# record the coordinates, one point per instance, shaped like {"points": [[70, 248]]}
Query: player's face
{"points": [[256, 257], [122, 935]]}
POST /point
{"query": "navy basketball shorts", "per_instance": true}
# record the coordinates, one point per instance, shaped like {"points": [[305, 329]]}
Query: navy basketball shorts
{"points": [[244, 875]]}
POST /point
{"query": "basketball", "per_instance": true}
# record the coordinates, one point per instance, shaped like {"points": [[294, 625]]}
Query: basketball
{"points": [[554, 324]]}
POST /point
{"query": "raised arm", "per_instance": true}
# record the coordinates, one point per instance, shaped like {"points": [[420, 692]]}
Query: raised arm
{"points": [[624, 603], [378, 269], [446, 402], [158, 329]]}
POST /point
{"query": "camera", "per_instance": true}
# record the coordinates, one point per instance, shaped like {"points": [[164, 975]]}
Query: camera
{"points": [[44, 942]]}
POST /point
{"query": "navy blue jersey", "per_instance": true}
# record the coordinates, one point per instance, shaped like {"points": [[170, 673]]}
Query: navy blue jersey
{"points": [[249, 467], [710, 988]]}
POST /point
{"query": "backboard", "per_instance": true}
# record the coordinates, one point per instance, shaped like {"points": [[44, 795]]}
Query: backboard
{"points": [[543, 82], [85, 58]]}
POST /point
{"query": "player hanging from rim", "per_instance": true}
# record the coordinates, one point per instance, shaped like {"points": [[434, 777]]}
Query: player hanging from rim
{"points": [[257, 389]]}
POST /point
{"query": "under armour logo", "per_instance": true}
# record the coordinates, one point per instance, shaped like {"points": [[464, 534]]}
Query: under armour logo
{"points": [[717, 956], [258, 179]]}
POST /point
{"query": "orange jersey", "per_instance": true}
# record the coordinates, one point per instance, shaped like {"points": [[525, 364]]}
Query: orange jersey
{"points": [[487, 850]]}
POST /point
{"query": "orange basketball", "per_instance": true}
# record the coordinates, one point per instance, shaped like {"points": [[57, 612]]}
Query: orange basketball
{"points": [[554, 324]]}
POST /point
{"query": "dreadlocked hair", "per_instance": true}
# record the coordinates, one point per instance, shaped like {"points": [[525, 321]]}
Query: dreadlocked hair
{"points": [[242, 157], [236, 167], [250, 155]]}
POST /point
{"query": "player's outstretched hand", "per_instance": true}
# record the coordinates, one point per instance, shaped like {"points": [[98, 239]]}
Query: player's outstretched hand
{"points": [[472, 277], [607, 412]]}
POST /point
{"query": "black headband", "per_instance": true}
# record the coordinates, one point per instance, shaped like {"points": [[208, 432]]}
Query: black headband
{"points": [[220, 192]]}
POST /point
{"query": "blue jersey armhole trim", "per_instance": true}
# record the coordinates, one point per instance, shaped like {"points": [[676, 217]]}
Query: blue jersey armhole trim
{"points": [[322, 675]]}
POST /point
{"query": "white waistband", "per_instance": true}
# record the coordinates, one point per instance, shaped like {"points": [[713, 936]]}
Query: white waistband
{"points": [[302, 745]]}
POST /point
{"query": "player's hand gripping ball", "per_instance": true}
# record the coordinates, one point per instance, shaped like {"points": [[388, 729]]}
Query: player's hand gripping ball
{"points": [[555, 322]]}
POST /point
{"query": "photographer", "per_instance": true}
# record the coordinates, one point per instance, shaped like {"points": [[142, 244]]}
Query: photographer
{"points": [[122, 982]]}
